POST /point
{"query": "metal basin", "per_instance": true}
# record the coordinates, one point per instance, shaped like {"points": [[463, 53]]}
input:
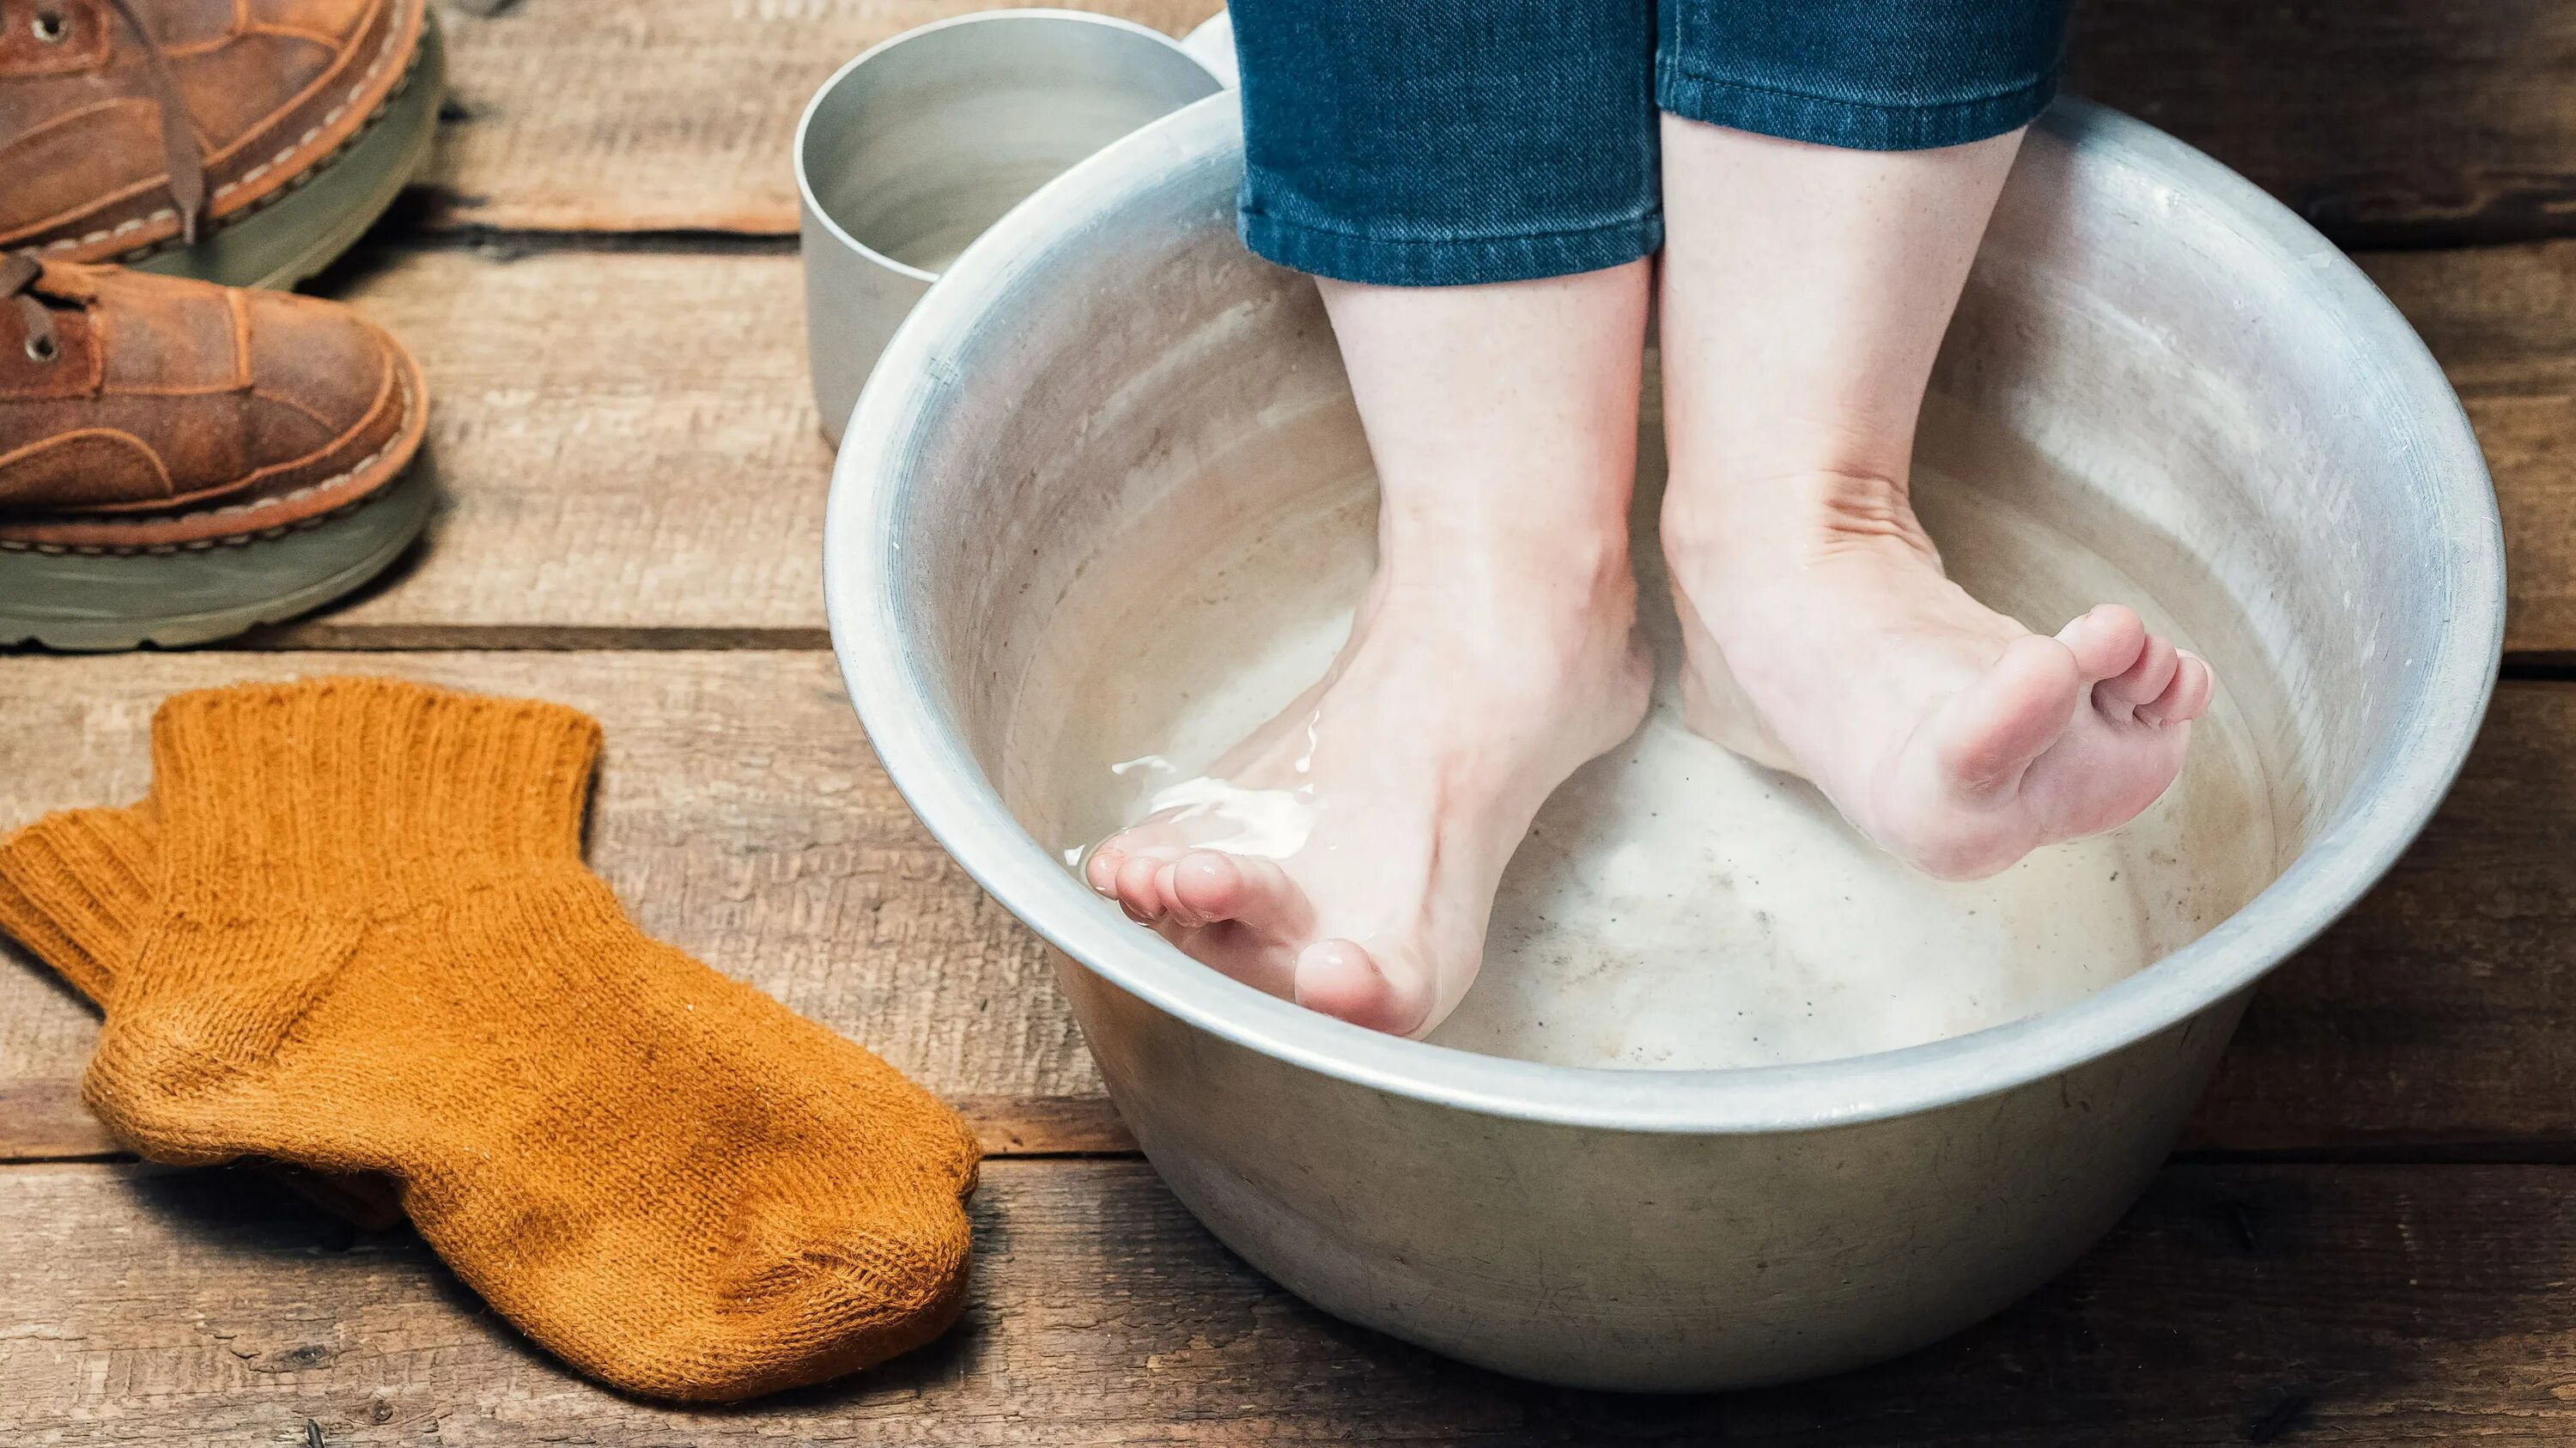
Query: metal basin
{"points": [[2241, 421]]}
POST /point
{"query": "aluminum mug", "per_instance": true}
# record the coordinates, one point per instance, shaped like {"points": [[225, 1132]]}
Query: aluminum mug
{"points": [[909, 152]]}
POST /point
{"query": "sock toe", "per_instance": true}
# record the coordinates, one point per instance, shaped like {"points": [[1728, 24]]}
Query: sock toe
{"points": [[810, 1296]]}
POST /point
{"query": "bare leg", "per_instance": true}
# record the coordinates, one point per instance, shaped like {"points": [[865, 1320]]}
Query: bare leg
{"points": [[1493, 653], [1805, 293]]}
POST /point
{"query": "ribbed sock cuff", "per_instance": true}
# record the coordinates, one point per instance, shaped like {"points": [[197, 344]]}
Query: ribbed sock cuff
{"points": [[76, 888], [374, 792]]}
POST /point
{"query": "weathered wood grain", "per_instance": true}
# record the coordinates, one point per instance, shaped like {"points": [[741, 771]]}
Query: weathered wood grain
{"points": [[44, 1120], [2361, 1305], [742, 817], [630, 459], [625, 441], [2382, 120], [658, 115], [2441, 1012]]}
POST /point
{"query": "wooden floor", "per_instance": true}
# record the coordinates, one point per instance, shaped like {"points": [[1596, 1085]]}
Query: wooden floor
{"points": [[2369, 1238]]}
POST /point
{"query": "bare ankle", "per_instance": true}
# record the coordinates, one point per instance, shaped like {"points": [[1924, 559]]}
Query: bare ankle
{"points": [[1580, 574], [1762, 524]]}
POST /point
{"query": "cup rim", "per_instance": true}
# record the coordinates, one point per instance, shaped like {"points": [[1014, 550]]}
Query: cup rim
{"points": [[813, 206]]}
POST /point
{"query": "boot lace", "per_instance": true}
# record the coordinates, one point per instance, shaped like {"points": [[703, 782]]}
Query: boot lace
{"points": [[18, 273]]}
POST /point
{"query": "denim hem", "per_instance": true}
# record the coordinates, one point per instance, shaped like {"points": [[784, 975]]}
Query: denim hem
{"points": [[1852, 125], [1449, 261]]}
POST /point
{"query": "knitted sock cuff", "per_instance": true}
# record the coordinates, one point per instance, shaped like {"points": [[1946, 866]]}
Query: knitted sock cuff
{"points": [[327, 791], [75, 888]]}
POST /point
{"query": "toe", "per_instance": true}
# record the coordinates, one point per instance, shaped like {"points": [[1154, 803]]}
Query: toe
{"points": [[1100, 872], [1985, 735], [2184, 699], [2106, 641], [1138, 890], [1341, 979], [2142, 681], [1210, 885], [1167, 898]]}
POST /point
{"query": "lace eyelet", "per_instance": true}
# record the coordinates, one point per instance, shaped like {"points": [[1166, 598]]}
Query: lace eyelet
{"points": [[50, 27], [42, 349]]}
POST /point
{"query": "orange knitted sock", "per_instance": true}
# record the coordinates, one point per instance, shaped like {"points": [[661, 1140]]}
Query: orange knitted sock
{"points": [[372, 948], [76, 888]]}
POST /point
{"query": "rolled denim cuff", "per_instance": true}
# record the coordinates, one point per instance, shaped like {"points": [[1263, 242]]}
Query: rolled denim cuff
{"points": [[1852, 124], [1445, 261]]}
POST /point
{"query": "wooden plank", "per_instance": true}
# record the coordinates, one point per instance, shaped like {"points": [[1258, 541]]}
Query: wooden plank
{"points": [[2384, 122], [2503, 322], [665, 115], [2361, 1305], [741, 817], [44, 1120], [625, 441], [592, 500], [2440, 1012]]}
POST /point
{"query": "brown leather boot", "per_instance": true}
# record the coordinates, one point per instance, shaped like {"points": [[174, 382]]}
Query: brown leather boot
{"points": [[243, 141], [180, 461]]}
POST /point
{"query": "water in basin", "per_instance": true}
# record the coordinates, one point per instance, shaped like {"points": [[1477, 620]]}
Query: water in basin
{"points": [[1673, 907]]}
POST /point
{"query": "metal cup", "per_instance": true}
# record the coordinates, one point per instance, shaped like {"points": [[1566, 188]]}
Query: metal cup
{"points": [[910, 151]]}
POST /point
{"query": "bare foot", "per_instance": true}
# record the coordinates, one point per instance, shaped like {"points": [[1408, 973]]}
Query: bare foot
{"points": [[1822, 637], [1345, 855]]}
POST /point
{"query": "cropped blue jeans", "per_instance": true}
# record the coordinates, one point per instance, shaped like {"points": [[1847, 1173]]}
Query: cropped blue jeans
{"points": [[1444, 142]]}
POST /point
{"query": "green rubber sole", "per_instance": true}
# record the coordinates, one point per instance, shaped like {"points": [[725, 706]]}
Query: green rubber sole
{"points": [[95, 603], [306, 227]]}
